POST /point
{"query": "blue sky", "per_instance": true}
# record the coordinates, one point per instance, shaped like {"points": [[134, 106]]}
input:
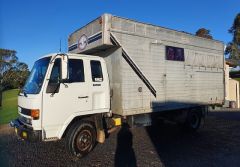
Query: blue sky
{"points": [[34, 28]]}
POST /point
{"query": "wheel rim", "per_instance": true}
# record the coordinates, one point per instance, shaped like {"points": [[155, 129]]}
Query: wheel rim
{"points": [[84, 140], [194, 120]]}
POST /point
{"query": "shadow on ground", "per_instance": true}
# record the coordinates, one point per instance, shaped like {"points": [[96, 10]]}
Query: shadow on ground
{"points": [[125, 156], [216, 144]]}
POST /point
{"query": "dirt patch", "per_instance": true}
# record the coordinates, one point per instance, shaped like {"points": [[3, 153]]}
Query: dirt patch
{"points": [[5, 129]]}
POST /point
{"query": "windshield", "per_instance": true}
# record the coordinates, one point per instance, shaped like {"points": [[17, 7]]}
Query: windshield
{"points": [[35, 80]]}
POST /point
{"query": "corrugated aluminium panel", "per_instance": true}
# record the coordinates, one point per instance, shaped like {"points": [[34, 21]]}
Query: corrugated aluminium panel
{"points": [[141, 78]]}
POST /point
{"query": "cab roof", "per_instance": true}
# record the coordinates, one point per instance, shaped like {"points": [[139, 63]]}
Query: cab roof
{"points": [[73, 55]]}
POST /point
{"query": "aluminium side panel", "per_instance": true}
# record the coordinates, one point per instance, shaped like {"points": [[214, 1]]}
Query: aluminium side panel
{"points": [[92, 37], [136, 96], [141, 78], [197, 80], [113, 58]]}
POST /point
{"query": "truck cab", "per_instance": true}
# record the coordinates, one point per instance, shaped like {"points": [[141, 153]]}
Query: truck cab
{"points": [[61, 88]]}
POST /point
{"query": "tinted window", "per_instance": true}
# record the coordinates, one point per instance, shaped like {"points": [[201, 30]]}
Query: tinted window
{"points": [[55, 74], [76, 70], [174, 53], [96, 71]]}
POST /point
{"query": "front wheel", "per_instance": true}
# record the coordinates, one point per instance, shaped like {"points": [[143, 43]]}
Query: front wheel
{"points": [[81, 139]]}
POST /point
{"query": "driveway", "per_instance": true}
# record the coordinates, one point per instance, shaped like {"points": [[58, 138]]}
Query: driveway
{"points": [[216, 144]]}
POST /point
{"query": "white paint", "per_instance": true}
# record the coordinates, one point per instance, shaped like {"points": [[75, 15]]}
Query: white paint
{"points": [[80, 98]]}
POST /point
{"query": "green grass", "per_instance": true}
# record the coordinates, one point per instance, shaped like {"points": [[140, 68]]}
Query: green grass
{"points": [[8, 111], [238, 79]]}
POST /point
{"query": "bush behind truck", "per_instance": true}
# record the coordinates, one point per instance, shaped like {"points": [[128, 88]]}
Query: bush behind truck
{"points": [[139, 72]]}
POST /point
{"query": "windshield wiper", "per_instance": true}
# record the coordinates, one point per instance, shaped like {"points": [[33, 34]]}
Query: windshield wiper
{"points": [[24, 93]]}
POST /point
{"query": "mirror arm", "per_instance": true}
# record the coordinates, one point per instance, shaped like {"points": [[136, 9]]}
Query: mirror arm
{"points": [[59, 54], [66, 74], [63, 81]]}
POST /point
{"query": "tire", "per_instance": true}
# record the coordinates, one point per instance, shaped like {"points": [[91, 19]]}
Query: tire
{"points": [[193, 121], [80, 139]]}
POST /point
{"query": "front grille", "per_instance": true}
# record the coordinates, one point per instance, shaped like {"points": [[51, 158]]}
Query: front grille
{"points": [[25, 111], [25, 120]]}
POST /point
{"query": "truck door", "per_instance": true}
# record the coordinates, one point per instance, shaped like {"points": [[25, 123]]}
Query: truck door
{"points": [[70, 98], [99, 86]]}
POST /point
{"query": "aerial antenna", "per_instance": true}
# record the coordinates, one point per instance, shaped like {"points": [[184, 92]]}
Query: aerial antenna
{"points": [[60, 48]]}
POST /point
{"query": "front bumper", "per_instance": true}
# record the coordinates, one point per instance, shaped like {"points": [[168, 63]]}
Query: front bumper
{"points": [[26, 133]]}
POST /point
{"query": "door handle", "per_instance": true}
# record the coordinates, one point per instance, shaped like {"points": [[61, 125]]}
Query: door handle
{"points": [[82, 97]]}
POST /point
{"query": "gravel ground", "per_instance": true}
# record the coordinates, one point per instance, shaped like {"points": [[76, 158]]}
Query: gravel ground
{"points": [[216, 144]]}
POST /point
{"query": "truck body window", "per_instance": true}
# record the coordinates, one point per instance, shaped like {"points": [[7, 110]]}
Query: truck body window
{"points": [[55, 74], [174, 53], [76, 70], [96, 70]]}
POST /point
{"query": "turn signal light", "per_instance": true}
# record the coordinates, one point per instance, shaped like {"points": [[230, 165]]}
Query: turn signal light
{"points": [[35, 114]]}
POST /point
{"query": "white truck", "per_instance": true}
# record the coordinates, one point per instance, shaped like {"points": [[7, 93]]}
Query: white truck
{"points": [[138, 74]]}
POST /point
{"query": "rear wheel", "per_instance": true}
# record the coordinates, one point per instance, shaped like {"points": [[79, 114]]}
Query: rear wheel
{"points": [[81, 138], [193, 120]]}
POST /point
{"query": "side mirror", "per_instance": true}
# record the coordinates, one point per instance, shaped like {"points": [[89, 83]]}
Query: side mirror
{"points": [[64, 68]]}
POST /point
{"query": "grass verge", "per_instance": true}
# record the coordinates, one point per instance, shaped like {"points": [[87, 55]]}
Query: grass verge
{"points": [[8, 111], [238, 79]]}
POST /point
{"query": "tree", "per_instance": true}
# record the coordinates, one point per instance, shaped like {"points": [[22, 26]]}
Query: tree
{"points": [[8, 80], [22, 74], [7, 59], [13, 73], [203, 32], [16, 76], [233, 47]]}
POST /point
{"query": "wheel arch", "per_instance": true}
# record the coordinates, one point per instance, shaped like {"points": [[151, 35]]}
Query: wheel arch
{"points": [[73, 119]]}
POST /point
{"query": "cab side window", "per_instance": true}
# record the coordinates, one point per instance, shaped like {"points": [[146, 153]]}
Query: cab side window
{"points": [[55, 74], [96, 70], [76, 70], [54, 80]]}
